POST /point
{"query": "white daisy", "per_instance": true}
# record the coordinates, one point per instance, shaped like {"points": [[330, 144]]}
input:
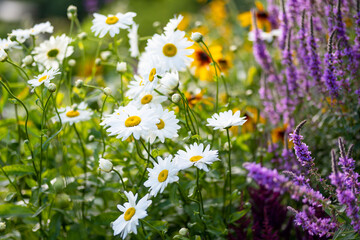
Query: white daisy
{"points": [[168, 83], [173, 23], [133, 40], [167, 125], [7, 44], [150, 68], [196, 155], [45, 27], [52, 52], [225, 120], [136, 86], [131, 121], [148, 98], [44, 78], [163, 173], [172, 49], [111, 24], [20, 34], [132, 212], [75, 115]]}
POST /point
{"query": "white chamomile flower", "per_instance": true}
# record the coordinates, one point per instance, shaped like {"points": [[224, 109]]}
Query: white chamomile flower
{"points": [[133, 40], [225, 120], [148, 98], [167, 125], [163, 173], [169, 82], [44, 78], [20, 34], [173, 24], [105, 165], [136, 86], [172, 49], [111, 24], [150, 68], [111, 119], [75, 114], [52, 52], [196, 155], [7, 44], [131, 121], [45, 27], [132, 212]]}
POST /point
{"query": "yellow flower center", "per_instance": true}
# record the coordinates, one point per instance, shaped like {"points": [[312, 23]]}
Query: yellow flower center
{"points": [[152, 74], [72, 113], [111, 20], [53, 53], [169, 50], [141, 83], [195, 158], [161, 124], [43, 78], [132, 121], [163, 175], [129, 214], [146, 99]]}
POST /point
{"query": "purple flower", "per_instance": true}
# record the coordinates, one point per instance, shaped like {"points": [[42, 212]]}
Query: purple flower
{"points": [[314, 59], [290, 70], [284, 26]]}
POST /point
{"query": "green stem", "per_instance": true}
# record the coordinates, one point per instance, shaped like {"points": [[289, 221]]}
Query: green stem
{"points": [[21, 69], [147, 151], [101, 130], [229, 170], [121, 179], [198, 187], [143, 175], [153, 228]]}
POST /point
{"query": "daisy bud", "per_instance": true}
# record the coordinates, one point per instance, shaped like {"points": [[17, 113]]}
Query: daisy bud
{"points": [[107, 91], [82, 35], [121, 67], [91, 138], [52, 87], [198, 24], [28, 60], [62, 201], [105, 165], [79, 83], [71, 12], [98, 62], [59, 184], [196, 37], [176, 98], [2, 226], [72, 62], [105, 55], [3, 55], [156, 24], [184, 231]]}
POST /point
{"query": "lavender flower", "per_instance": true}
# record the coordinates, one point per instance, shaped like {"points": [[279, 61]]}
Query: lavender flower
{"points": [[329, 74], [301, 149], [284, 26], [314, 59], [290, 71]]}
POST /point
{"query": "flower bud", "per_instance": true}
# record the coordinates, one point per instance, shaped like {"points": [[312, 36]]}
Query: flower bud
{"points": [[28, 60], [98, 62], [72, 62], [196, 37], [105, 55], [198, 24], [51, 87], [107, 91], [79, 83], [121, 67], [59, 184], [71, 12], [156, 24], [183, 231], [2, 226], [3, 55], [91, 138], [105, 165], [176, 98], [169, 83], [82, 35]]}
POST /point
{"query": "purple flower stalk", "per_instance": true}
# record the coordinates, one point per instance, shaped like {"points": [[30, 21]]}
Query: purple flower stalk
{"points": [[314, 59], [301, 149], [290, 71], [329, 73], [284, 26]]}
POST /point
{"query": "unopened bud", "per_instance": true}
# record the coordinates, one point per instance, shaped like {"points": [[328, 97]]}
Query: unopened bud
{"points": [[51, 87], [91, 138], [105, 165], [72, 63], [176, 98], [79, 83], [121, 67], [105, 55], [196, 37], [156, 24], [72, 9], [98, 62], [82, 35], [183, 231], [107, 91], [28, 60]]}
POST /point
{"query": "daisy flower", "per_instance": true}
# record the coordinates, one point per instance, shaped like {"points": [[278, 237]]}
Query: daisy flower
{"points": [[150, 68], [136, 86], [111, 24], [133, 40], [173, 24], [148, 98], [6, 44], [168, 83], [172, 49], [45, 27], [74, 115], [131, 121], [20, 34], [163, 173], [196, 155], [44, 78], [225, 120], [132, 212], [167, 125], [53, 51]]}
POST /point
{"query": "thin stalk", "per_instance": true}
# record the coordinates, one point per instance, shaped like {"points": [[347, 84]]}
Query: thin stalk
{"points": [[101, 130], [121, 179], [229, 169], [153, 228]]}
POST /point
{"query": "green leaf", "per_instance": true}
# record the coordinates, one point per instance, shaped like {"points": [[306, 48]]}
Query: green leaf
{"points": [[237, 215], [18, 169], [55, 224], [12, 210]]}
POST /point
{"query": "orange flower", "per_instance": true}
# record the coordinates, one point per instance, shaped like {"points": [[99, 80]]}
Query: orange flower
{"points": [[262, 17]]}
